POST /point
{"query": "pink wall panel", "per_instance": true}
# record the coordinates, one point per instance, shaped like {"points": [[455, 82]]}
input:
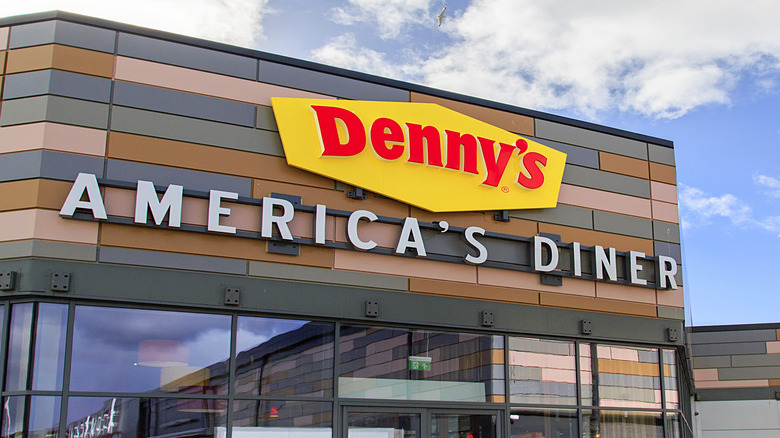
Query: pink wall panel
{"points": [[45, 225], [184, 79], [625, 293], [52, 136], [670, 297], [663, 211], [3, 38], [403, 266], [606, 201], [663, 192], [531, 281]]}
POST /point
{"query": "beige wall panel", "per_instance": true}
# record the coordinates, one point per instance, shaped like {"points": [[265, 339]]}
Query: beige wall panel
{"points": [[663, 173], [52, 136], [403, 266], [332, 198], [624, 165], [663, 192], [761, 383], [532, 281], [670, 297], [773, 347], [472, 291], [212, 159], [208, 244], [504, 120], [597, 305], [706, 374], [212, 84], [664, 211], [591, 238], [385, 235], [60, 58], [623, 292], [45, 225], [605, 201], [3, 38], [515, 227]]}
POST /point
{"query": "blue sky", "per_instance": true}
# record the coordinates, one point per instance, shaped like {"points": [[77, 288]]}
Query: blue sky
{"points": [[704, 75]]}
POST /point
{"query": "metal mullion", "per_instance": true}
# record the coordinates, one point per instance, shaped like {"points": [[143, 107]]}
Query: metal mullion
{"points": [[4, 342], [662, 384], [507, 394], [336, 410], [231, 383], [578, 379], [66, 368]]}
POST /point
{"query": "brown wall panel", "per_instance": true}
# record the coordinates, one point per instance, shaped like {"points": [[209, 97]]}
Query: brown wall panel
{"points": [[2, 62], [591, 238], [473, 291], [208, 244], [597, 305], [33, 193], [663, 173], [624, 165], [61, 58], [515, 227], [504, 120], [212, 159]]}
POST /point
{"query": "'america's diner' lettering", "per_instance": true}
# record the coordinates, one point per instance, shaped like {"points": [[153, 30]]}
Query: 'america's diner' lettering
{"points": [[390, 141], [277, 213]]}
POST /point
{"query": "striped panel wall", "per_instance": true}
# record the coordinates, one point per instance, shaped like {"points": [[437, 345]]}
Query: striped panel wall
{"points": [[174, 113]]}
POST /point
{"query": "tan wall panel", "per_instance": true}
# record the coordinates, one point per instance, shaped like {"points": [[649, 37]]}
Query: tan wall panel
{"points": [[515, 227], [623, 292], [504, 120], [2, 62], [208, 244], [45, 225], [32, 193], [591, 238], [709, 374], [53, 136], [472, 291], [212, 84], [663, 173], [52, 194], [762, 383], [605, 201], [61, 58], [663, 192], [597, 305], [774, 382], [670, 297], [532, 281], [332, 198], [778, 334], [664, 211], [384, 235], [624, 165], [212, 159], [403, 266], [773, 347], [627, 367]]}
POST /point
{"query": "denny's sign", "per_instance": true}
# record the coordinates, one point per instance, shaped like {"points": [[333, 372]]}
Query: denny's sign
{"points": [[419, 153]]}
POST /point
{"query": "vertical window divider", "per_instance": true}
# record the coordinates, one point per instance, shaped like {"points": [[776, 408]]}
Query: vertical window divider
{"points": [[4, 342], [335, 405], [662, 386], [578, 379], [507, 395], [231, 384], [66, 369]]}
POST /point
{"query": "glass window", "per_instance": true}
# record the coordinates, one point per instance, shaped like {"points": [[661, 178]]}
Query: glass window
{"points": [[673, 426], [628, 377], [262, 417], [93, 417], [135, 350], [542, 371], [279, 357], [670, 380], [559, 423], [463, 425], [397, 363], [44, 417], [586, 374], [637, 424], [383, 424], [46, 340]]}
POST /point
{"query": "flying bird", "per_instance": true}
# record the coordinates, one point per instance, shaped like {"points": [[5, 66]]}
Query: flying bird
{"points": [[441, 15]]}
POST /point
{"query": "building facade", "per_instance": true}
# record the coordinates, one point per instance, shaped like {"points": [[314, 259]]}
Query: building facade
{"points": [[166, 273]]}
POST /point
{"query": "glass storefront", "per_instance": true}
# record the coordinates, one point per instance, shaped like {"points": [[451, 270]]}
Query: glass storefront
{"points": [[89, 371]]}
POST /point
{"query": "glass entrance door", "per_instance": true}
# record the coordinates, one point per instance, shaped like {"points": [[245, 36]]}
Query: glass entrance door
{"points": [[377, 422]]}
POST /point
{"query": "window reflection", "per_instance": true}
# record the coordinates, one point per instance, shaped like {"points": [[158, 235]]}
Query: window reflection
{"points": [[135, 350], [46, 340], [397, 363], [543, 423], [670, 380], [542, 371], [383, 424], [629, 377], [44, 417], [635, 424], [265, 417], [280, 357], [463, 425]]}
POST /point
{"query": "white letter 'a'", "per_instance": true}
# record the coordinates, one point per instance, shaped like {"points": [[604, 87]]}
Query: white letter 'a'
{"points": [[84, 182]]}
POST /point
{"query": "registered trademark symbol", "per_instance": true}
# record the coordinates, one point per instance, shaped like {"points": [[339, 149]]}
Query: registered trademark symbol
{"points": [[505, 189]]}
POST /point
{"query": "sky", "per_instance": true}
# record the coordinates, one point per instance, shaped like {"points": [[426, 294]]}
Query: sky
{"points": [[705, 75]]}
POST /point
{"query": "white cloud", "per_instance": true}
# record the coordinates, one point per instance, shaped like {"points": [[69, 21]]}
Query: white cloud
{"points": [[699, 209], [236, 22], [772, 184], [390, 17], [660, 59]]}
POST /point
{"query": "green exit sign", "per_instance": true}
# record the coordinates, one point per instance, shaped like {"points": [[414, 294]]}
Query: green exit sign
{"points": [[419, 363]]}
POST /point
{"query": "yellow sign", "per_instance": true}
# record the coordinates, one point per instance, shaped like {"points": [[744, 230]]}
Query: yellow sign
{"points": [[419, 153]]}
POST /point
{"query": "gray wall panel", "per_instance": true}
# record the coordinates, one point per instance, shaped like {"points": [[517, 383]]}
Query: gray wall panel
{"points": [[668, 249], [47, 249], [191, 130], [184, 104], [666, 232], [756, 360], [560, 215], [749, 373], [591, 139], [622, 224], [574, 154], [611, 182], [660, 154], [728, 349], [62, 32], [190, 179], [171, 260], [266, 119], [47, 164], [711, 362], [332, 85], [54, 109], [321, 275], [733, 336], [671, 313], [186, 56], [57, 82]]}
